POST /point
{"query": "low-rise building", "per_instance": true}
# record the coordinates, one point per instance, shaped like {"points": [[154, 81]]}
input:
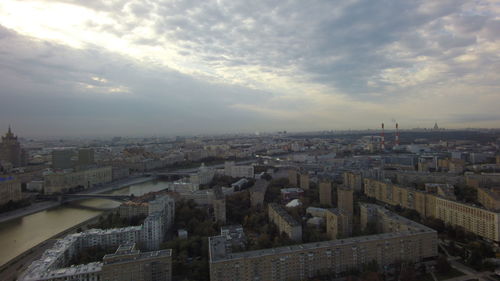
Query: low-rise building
{"points": [[10, 190], [288, 194], [64, 181], [204, 175], [316, 212], [238, 171]]}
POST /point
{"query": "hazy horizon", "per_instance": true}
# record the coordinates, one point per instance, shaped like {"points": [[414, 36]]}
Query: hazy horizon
{"points": [[133, 68]]}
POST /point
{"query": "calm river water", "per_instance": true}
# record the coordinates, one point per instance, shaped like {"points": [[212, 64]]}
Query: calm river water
{"points": [[19, 235]]}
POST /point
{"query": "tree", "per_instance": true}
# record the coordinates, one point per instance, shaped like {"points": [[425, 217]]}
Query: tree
{"points": [[407, 273], [442, 265]]}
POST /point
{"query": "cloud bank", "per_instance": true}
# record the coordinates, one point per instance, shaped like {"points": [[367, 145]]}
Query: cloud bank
{"points": [[183, 67]]}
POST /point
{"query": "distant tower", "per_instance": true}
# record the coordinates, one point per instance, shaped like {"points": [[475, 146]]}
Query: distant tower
{"points": [[436, 126], [397, 134], [10, 150], [382, 143]]}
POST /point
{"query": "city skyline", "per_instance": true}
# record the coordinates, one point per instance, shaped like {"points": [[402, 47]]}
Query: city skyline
{"points": [[183, 68]]}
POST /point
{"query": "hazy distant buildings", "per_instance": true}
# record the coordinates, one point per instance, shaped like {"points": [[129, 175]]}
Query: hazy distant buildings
{"points": [[238, 171], [86, 157], [62, 159]]}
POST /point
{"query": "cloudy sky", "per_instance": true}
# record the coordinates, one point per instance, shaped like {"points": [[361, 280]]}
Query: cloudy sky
{"points": [[159, 67]]}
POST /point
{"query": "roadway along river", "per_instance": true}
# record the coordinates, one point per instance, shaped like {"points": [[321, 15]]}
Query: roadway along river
{"points": [[19, 235]]}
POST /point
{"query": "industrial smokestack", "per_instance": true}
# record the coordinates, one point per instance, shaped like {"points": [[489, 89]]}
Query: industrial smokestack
{"points": [[397, 134], [382, 143]]}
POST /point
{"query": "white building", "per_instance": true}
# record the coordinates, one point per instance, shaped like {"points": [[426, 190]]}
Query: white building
{"points": [[204, 175], [230, 169]]}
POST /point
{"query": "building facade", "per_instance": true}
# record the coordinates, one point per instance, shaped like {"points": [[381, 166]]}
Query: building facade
{"points": [[54, 265], [129, 264], [293, 178], [489, 198], [285, 222], [477, 220], [63, 159], [345, 200], [10, 190], [240, 171], [338, 224], [219, 204], [325, 193], [353, 180], [64, 181], [416, 243]]}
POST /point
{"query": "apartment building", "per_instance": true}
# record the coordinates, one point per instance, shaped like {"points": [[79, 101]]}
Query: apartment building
{"points": [[54, 262], [325, 193], [338, 224], [412, 177], [285, 222], [345, 200], [129, 264], [63, 181], [10, 190], [353, 180], [489, 198], [293, 178], [480, 221], [304, 180], [240, 171], [416, 243], [219, 204]]}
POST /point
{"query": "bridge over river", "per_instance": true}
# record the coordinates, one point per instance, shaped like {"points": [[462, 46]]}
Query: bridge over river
{"points": [[78, 196]]}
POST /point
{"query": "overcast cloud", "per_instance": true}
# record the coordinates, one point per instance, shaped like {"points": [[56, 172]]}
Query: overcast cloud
{"points": [[181, 67]]}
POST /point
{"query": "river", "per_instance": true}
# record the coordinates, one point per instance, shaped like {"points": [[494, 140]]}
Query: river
{"points": [[21, 234]]}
